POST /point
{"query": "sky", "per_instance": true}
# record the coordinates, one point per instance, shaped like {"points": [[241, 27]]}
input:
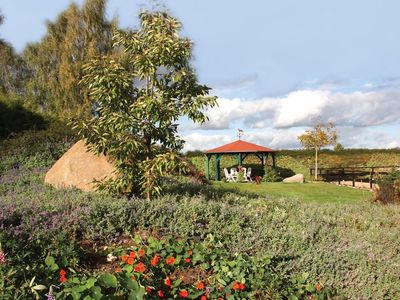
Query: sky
{"points": [[275, 66]]}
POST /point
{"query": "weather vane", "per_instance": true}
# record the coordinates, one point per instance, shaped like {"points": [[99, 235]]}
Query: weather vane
{"points": [[240, 133]]}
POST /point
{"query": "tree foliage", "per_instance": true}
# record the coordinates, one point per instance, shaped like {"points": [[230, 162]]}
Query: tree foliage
{"points": [[12, 69], [320, 136], [140, 97], [55, 63]]}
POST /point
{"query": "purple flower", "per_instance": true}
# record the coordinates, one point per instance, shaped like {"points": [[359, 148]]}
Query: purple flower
{"points": [[2, 257]]}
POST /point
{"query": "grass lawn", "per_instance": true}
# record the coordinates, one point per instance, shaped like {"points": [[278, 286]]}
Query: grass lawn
{"points": [[320, 192]]}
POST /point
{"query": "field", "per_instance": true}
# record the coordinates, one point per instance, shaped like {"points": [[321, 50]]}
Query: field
{"points": [[314, 192], [280, 241]]}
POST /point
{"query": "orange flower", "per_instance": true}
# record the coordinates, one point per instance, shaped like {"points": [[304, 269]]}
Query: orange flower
{"points": [[190, 252], [160, 294], [155, 260], [142, 252], [130, 260], [318, 287], [140, 268], [124, 257], [62, 276], [118, 270], [200, 285], [170, 260], [183, 293], [236, 286], [148, 290], [167, 281], [132, 254], [187, 260]]}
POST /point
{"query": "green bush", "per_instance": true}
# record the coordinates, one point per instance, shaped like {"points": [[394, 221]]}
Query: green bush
{"points": [[389, 188], [271, 175]]}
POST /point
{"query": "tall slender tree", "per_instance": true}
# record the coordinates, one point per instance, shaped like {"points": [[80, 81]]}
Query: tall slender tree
{"points": [[140, 98], [55, 63], [321, 135]]}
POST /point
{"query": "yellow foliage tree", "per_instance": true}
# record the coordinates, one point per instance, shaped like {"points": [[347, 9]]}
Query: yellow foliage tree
{"points": [[321, 135]]}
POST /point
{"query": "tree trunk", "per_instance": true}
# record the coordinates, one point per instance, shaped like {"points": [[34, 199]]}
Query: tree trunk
{"points": [[148, 179], [316, 164]]}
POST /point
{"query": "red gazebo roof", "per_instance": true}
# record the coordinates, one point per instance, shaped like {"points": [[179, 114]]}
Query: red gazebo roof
{"points": [[240, 146]]}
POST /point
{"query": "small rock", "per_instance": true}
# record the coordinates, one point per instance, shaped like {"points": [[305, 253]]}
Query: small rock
{"points": [[298, 178]]}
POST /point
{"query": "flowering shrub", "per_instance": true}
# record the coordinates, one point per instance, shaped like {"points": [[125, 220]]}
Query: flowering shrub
{"points": [[168, 268]]}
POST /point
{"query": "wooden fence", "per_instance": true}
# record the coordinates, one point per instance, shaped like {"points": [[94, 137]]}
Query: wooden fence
{"points": [[353, 173]]}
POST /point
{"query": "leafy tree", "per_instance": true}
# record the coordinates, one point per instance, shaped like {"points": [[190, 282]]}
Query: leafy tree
{"points": [[140, 97], [55, 63], [321, 135], [12, 69], [338, 147]]}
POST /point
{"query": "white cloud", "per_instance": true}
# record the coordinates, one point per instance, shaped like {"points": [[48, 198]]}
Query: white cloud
{"points": [[301, 108], [196, 141]]}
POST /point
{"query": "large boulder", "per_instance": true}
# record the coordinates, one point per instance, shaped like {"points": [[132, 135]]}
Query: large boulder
{"points": [[79, 168], [298, 178]]}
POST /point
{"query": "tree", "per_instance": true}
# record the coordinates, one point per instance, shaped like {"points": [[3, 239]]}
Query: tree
{"points": [[338, 147], [321, 135], [139, 97], [55, 63], [12, 69]]}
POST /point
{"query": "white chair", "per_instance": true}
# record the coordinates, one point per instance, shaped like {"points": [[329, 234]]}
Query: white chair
{"points": [[234, 174], [247, 175], [228, 176]]}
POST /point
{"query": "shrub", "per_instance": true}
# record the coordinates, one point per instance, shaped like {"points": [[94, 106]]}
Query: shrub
{"points": [[271, 175], [389, 188]]}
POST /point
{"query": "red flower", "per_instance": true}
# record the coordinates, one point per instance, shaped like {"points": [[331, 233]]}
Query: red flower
{"points": [[130, 260], [236, 286], [124, 257], [167, 281], [200, 285], [170, 260], [160, 294], [140, 268], [63, 278], [203, 297], [148, 290], [132, 254], [118, 270], [187, 260], [318, 287], [142, 252], [155, 260], [183, 293], [242, 286], [190, 252]]}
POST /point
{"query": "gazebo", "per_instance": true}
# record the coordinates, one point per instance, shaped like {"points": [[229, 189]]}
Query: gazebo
{"points": [[241, 149]]}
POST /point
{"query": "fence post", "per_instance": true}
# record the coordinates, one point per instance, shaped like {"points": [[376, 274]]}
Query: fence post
{"points": [[371, 178]]}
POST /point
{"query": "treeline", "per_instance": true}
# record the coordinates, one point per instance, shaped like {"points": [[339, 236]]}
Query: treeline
{"points": [[44, 79]]}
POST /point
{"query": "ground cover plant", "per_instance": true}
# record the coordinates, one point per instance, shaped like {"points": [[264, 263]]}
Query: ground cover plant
{"points": [[344, 250]]}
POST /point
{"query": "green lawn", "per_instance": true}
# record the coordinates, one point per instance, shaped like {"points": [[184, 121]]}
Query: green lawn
{"points": [[321, 192]]}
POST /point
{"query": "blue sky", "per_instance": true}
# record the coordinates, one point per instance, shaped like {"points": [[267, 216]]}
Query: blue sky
{"points": [[275, 65]]}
